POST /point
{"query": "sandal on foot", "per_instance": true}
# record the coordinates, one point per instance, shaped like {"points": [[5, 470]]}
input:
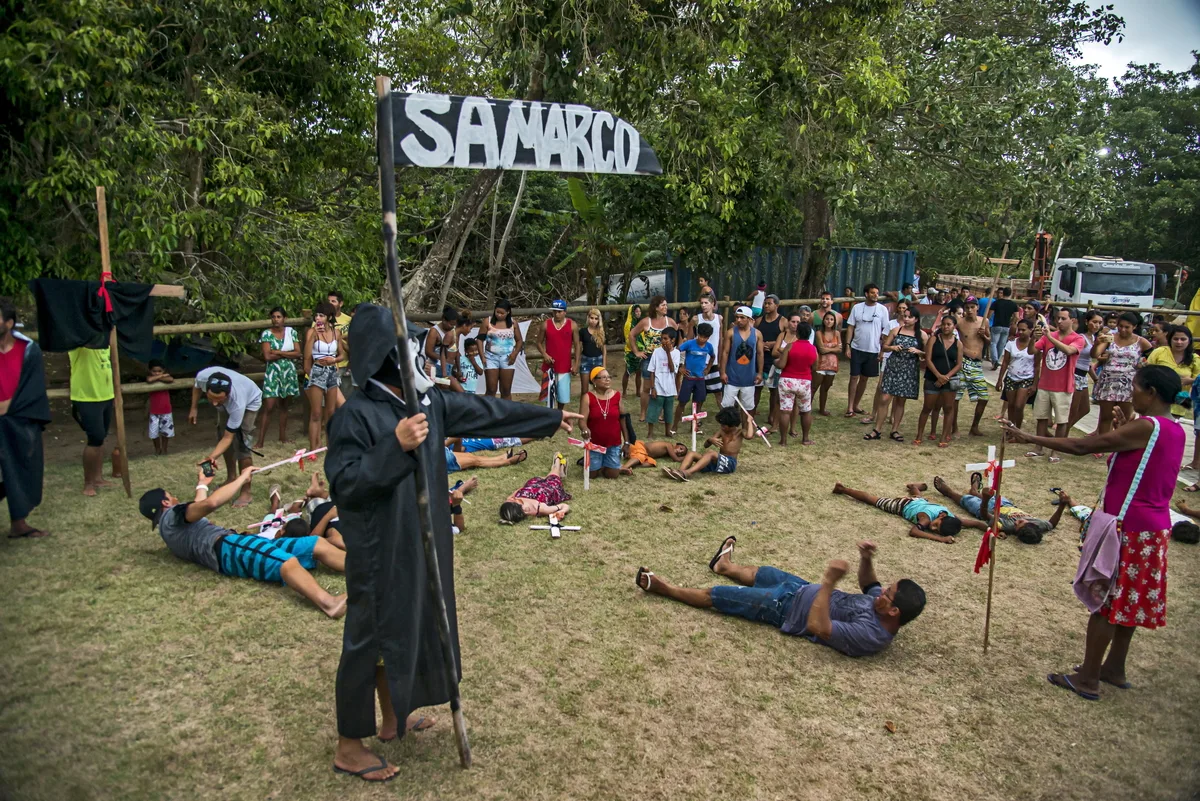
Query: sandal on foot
{"points": [[976, 481], [1192, 488], [918, 441], [874, 434], [1122, 686], [362, 774], [638, 579], [943, 444], [1054, 459], [721, 551], [1064, 681], [31, 534], [1033, 455], [896, 436]]}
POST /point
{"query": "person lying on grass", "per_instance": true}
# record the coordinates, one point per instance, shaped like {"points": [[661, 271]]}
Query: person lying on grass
{"points": [[1183, 527], [729, 442], [476, 444], [854, 624], [192, 537], [288, 521], [981, 503], [469, 461], [640, 453], [541, 496], [930, 521]]}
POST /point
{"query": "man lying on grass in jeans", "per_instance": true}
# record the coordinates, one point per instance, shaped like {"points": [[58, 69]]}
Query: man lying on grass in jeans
{"points": [[1029, 529], [855, 624], [190, 536]]}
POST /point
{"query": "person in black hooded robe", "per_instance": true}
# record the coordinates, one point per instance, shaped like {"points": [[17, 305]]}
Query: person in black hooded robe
{"points": [[23, 415], [391, 640]]}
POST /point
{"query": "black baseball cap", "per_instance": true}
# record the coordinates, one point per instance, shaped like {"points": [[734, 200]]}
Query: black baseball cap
{"points": [[150, 504], [219, 383]]}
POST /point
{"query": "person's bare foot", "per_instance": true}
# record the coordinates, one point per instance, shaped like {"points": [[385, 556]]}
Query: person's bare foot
{"points": [[822, 412], [335, 607], [940, 485], [101, 482], [388, 728], [242, 501], [352, 756], [808, 442], [975, 432], [626, 471], [89, 490], [724, 561], [916, 487], [469, 485], [838, 488]]}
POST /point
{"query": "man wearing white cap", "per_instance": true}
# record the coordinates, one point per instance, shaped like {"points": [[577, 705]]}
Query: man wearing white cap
{"points": [[741, 364]]}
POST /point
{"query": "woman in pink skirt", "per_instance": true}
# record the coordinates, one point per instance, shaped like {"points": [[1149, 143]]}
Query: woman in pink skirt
{"points": [[1138, 592]]}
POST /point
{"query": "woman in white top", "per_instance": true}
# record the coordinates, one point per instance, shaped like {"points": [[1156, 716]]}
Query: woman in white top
{"points": [[324, 347], [1016, 371], [1091, 323]]}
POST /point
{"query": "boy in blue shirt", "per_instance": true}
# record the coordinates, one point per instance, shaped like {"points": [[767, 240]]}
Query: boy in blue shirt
{"points": [[698, 356], [930, 521]]}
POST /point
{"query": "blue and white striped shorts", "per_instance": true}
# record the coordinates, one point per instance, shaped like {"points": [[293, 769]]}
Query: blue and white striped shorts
{"points": [[252, 556]]}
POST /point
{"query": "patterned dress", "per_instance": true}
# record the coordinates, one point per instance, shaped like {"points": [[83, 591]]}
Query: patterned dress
{"points": [[1140, 597], [281, 380], [901, 377], [1116, 380], [544, 489]]}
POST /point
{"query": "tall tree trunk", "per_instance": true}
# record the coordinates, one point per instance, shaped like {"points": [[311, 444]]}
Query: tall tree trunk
{"points": [[493, 272], [453, 268], [422, 288], [818, 231], [494, 269]]}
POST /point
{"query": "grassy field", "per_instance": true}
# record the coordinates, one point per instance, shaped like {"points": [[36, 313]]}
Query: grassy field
{"points": [[128, 674]]}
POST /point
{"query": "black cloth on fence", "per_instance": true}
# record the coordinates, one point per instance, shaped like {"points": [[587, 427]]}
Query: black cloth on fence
{"points": [[72, 315], [21, 435], [391, 614]]}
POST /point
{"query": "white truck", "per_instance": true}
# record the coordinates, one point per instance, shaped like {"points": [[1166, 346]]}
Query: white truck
{"points": [[1105, 281]]}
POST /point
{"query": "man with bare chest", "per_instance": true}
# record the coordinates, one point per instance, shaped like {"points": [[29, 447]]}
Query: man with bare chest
{"points": [[975, 336]]}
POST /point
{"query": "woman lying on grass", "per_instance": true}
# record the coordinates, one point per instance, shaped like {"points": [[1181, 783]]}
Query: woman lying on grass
{"points": [[542, 496]]}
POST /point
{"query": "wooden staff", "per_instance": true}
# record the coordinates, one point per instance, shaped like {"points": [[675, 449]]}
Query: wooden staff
{"points": [[122, 459], [387, 192], [987, 619]]}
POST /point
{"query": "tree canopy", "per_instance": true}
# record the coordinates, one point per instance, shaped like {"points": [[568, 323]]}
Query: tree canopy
{"points": [[236, 140]]}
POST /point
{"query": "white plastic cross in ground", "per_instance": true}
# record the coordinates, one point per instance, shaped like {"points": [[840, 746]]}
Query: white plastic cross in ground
{"points": [[990, 465], [554, 528], [694, 418], [588, 449]]}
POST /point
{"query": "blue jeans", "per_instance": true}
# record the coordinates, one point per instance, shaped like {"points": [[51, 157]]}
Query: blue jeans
{"points": [[768, 601], [999, 340], [971, 504]]}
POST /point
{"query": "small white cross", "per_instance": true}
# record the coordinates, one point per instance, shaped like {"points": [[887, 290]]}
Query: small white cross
{"points": [[554, 528]]}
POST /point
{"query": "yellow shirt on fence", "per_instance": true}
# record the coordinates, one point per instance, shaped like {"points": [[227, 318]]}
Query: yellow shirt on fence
{"points": [[91, 375]]}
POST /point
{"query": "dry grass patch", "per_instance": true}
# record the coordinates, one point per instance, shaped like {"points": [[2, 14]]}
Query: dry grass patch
{"points": [[129, 674]]}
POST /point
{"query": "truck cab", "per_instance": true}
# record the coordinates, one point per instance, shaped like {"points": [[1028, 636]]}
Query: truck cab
{"points": [[1105, 281]]}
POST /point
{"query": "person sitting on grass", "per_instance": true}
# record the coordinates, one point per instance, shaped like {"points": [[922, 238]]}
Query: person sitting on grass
{"points": [[724, 461], [601, 410], [467, 461], [458, 523], [541, 496], [640, 453], [1026, 527], [930, 521], [854, 624], [189, 535]]}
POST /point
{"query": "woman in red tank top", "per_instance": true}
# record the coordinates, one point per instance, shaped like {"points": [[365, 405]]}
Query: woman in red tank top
{"points": [[601, 410]]}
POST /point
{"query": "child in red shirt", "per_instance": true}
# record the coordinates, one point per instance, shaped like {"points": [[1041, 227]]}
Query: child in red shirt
{"points": [[162, 422]]}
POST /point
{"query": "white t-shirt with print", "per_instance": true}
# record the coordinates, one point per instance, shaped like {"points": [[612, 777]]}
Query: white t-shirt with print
{"points": [[870, 323], [664, 375], [1020, 362]]}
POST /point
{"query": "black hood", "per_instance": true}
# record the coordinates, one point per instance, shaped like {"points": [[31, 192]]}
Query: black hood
{"points": [[373, 344]]}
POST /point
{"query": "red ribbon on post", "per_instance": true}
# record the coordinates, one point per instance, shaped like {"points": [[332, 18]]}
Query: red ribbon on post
{"points": [[103, 290]]}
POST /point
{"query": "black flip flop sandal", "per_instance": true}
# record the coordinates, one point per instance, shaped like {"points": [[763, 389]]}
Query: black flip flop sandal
{"points": [[721, 551], [875, 434], [638, 581], [896, 436], [362, 774]]}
